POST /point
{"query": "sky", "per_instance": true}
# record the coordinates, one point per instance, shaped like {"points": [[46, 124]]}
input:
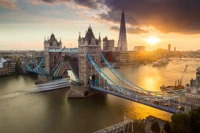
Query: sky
{"points": [[24, 24]]}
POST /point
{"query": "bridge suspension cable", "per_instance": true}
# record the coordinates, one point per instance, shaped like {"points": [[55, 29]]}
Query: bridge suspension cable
{"points": [[129, 83], [105, 77], [119, 88], [114, 89]]}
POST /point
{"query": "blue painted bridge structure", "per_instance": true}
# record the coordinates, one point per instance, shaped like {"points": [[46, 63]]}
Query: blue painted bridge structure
{"points": [[37, 69], [130, 92], [57, 72]]}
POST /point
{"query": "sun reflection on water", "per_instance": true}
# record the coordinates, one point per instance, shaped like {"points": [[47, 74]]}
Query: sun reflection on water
{"points": [[151, 82], [140, 111]]}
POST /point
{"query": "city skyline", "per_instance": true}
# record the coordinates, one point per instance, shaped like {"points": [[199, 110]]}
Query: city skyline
{"points": [[24, 23]]}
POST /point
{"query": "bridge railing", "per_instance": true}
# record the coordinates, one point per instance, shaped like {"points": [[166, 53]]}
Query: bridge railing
{"points": [[119, 127]]}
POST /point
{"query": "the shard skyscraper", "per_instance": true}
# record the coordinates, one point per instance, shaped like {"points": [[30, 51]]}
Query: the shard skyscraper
{"points": [[122, 42]]}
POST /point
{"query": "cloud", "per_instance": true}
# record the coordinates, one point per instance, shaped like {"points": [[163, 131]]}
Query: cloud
{"points": [[86, 3], [130, 30], [136, 30], [8, 4], [180, 16]]}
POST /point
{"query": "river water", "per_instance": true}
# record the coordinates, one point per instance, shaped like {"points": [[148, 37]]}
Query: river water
{"points": [[51, 112]]}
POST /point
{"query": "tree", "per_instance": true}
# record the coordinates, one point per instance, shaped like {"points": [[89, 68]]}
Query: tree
{"points": [[155, 127], [185, 122], [198, 126], [194, 117], [167, 127], [18, 65], [138, 126], [180, 123]]}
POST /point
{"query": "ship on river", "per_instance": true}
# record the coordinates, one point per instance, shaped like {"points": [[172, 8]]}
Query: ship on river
{"points": [[161, 62]]}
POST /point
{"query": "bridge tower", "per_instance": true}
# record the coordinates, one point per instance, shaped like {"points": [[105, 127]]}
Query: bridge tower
{"points": [[88, 44], [52, 58]]}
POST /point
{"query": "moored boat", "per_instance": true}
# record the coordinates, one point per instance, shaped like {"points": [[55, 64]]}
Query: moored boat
{"points": [[161, 62]]}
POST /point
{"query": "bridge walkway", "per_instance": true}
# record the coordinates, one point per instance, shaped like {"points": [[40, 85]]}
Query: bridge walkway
{"points": [[123, 127]]}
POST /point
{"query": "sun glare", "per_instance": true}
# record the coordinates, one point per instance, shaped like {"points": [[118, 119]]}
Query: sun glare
{"points": [[152, 40]]}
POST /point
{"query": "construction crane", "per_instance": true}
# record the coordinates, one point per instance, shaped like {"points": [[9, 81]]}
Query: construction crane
{"points": [[178, 84], [180, 81]]}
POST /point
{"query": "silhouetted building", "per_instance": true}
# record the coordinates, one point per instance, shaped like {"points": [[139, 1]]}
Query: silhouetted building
{"points": [[11, 66], [34, 54], [169, 47], [122, 42], [2, 61], [139, 48], [3, 68], [108, 45], [174, 49]]}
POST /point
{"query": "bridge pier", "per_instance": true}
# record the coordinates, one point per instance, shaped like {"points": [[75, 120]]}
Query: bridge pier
{"points": [[80, 91]]}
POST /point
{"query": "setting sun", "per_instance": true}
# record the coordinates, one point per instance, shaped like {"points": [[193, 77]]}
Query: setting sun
{"points": [[152, 40]]}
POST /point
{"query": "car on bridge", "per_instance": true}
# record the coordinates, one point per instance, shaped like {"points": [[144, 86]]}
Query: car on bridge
{"points": [[166, 104], [181, 108], [156, 102], [106, 88]]}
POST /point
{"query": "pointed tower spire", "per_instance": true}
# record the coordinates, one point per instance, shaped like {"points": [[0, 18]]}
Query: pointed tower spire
{"points": [[79, 38], [122, 42], [99, 36], [90, 27]]}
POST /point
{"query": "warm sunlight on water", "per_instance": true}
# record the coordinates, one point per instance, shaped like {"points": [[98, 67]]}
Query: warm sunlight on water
{"points": [[53, 112]]}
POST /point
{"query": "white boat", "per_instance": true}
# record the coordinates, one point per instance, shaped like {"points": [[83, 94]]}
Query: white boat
{"points": [[161, 62]]}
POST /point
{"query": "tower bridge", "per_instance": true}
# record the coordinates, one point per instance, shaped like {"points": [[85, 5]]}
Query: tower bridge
{"points": [[55, 65], [90, 79]]}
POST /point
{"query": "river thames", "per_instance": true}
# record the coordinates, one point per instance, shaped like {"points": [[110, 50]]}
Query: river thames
{"points": [[52, 112]]}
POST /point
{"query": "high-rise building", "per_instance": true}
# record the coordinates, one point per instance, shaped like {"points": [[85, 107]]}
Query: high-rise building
{"points": [[108, 45], [2, 61], [169, 47], [174, 49], [122, 42], [139, 48]]}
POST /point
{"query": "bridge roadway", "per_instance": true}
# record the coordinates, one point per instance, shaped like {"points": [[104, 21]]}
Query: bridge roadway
{"points": [[171, 108]]}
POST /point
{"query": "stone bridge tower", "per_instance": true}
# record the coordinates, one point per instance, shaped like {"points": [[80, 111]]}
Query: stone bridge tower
{"points": [[52, 53], [93, 46]]}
